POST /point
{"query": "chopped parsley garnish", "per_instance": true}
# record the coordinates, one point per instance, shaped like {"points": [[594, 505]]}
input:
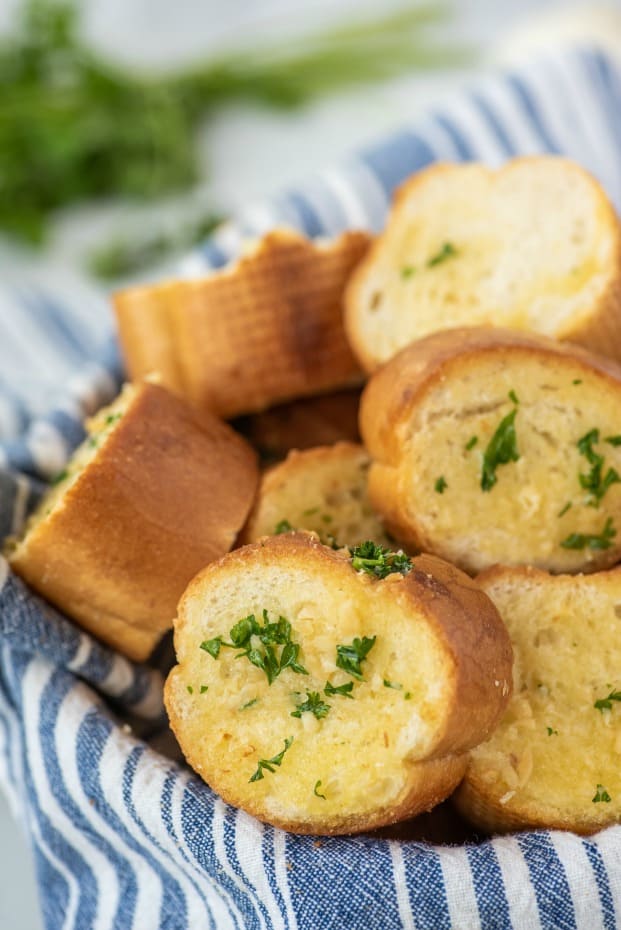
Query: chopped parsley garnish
{"points": [[113, 418], [93, 441], [501, 449], [313, 705], [592, 481], [601, 795], [310, 511], [471, 443], [60, 476], [190, 689], [379, 561], [392, 684], [249, 704], [326, 518], [564, 509], [270, 764], [513, 396], [283, 526], [349, 657], [440, 485], [587, 541], [204, 688], [407, 696], [577, 381], [606, 703], [552, 732], [613, 440], [448, 250], [407, 271], [344, 690], [270, 636], [317, 792]]}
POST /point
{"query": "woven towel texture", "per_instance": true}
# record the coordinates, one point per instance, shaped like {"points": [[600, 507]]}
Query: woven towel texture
{"points": [[124, 836]]}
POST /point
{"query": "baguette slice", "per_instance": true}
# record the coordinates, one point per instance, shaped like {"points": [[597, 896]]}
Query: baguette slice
{"points": [[455, 476], [147, 334], [302, 424], [148, 500], [534, 245], [434, 683], [554, 759], [323, 490]]}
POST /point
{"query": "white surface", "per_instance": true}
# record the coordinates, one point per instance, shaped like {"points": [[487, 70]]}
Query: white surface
{"points": [[251, 153]]}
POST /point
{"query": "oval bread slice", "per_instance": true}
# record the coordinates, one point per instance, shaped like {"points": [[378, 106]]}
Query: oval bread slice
{"points": [[323, 490], [554, 759], [494, 446], [323, 744], [534, 245], [147, 501]]}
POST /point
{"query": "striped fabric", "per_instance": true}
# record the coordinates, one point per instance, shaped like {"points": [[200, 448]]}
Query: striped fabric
{"points": [[124, 835]]}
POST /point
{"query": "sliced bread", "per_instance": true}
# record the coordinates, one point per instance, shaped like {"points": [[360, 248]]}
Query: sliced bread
{"points": [[555, 759], [324, 699], [495, 446], [146, 501], [534, 245]]}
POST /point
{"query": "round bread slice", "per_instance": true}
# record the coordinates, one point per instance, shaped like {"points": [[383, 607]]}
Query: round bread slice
{"points": [[534, 245], [492, 446], [323, 490], [554, 760], [147, 501], [324, 699]]}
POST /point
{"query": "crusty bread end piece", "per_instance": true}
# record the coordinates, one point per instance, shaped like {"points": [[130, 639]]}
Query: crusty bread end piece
{"points": [[554, 760], [147, 501], [323, 490], [391, 742], [486, 444], [533, 245]]}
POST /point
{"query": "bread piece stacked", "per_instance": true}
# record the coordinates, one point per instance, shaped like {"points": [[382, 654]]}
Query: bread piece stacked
{"points": [[554, 759], [534, 245], [149, 499], [323, 490], [265, 329], [324, 699]]}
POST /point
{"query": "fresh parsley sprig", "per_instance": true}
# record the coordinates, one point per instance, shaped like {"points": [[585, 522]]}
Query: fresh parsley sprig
{"points": [[349, 657], [594, 481], [378, 560], [312, 705], [501, 449], [268, 765], [602, 540], [606, 703]]}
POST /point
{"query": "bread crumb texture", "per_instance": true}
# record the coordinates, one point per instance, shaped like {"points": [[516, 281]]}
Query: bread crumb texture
{"points": [[323, 490], [555, 760], [494, 447], [329, 744], [534, 245]]}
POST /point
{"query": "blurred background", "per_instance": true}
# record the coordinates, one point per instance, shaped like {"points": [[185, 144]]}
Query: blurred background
{"points": [[128, 128]]}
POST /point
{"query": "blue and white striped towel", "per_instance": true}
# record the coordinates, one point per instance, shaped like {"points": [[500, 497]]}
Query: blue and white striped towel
{"points": [[126, 838]]}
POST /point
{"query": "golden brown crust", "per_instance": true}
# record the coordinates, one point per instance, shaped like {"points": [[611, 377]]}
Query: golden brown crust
{"points": [[302, 424], [162, 498], [146, 333], [460, 618], [598, 328], [268, 328]]}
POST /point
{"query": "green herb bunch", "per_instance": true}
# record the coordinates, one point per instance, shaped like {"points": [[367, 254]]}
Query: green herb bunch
{"points": [[378, 560]]}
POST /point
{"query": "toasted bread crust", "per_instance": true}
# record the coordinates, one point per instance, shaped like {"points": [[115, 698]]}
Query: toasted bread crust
{"points": [[554, 747], [595, 321], [394, 410], [464, 627], [162, 498]]}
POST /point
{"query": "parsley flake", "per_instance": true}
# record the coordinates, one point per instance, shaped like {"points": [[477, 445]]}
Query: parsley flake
{"points": [[349, 657], [501, 449], [564, 509], [601, 795], [344, 690], [249, 704], [313, 705], [60, 477], [590, 541], [577, 381], [270, 764], [606, 703], [513, 396], [552, 732], [204, 688], [440, 486], [265, 654], [471, 443], [448, 250], [592, 481], [393, 684], [379, 561], [317, 792], [613, 440], [283, 526], [407, 271], [190, 689]]}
